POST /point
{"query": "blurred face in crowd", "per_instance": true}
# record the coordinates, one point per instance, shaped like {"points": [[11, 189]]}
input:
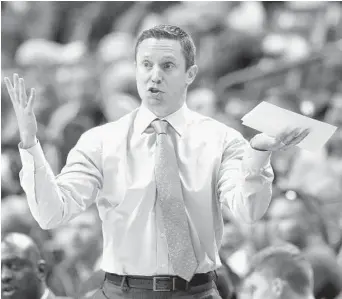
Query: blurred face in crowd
{"points": [[257, 286], [20, 274], [287, 221], [260, 286], [203, 101], [162, 78], [335, 144], [79, 233]]}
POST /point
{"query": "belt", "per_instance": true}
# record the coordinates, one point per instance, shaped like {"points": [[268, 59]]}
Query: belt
{"points": [[161, 283]]}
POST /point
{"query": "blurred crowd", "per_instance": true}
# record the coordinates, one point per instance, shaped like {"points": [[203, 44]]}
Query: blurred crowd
{"points": [[80, 58]]}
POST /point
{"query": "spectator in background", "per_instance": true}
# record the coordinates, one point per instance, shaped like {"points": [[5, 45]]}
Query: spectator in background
{"points": [[23, 271], [119, 77], [279, 273], [16, 217], [291, 221], [203, 101], [9, 172], [81, 245]]}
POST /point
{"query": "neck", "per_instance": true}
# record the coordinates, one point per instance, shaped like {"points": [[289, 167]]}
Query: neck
{"points": [[160, 112], [42, 289]]}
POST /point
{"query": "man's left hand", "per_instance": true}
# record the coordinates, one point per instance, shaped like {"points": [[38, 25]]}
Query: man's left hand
{"points": [[283, 141]]}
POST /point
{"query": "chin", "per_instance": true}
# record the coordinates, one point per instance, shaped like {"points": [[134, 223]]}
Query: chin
{"points": [[153, 101], [155, 104], [158, 109]]}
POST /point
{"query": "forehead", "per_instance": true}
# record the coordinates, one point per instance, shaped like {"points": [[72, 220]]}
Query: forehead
{"points": [[10, 251], [160, 48]]}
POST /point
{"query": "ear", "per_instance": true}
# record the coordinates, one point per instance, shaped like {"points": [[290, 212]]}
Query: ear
{"points": [[277, 287], [41, 269], [191, 74]]}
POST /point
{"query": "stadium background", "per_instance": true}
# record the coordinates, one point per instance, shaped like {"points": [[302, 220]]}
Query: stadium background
{"points": [[80, 58]]}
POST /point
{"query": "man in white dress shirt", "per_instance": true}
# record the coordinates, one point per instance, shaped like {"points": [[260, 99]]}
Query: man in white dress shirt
{"points": [[158, 175]]}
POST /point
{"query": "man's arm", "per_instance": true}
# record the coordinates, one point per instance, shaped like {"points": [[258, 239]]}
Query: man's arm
{"points": [[54, 201], [245, 179]]}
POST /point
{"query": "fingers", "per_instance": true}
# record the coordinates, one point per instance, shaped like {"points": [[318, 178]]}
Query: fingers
{"points": [[17, 91], [22, 92], [16, 86], [300, 137], [31, 99], [10, 90], [294, 137], [289, 135]]}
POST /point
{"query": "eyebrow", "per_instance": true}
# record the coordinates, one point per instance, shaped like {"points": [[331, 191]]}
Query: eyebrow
{"points": [[11, 260], [170, 57]]}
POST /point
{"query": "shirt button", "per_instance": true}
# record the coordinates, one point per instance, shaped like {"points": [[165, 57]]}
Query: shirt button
{"points": [[162, 235]]}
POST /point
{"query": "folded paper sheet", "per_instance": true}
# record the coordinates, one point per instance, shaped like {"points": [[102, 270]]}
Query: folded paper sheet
{"points": [[271, 119]]}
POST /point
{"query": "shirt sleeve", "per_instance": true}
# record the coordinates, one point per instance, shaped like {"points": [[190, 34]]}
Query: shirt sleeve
{"points": [[245, 179], [54, 201]]}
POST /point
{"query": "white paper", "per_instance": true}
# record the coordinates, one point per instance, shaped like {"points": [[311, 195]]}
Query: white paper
{"points": [[272, 120]]}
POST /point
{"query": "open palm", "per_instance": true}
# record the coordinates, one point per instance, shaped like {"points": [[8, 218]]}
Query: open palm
{"points": [[23, 108], [286, 139]]}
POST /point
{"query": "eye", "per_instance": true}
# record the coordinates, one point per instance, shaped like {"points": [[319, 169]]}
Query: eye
{"points": [[146, 64], [14, 266], [168, 65]]}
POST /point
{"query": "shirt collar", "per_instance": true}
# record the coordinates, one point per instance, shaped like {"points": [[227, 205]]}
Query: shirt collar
{"points": [[177, 120], [46, 294]]}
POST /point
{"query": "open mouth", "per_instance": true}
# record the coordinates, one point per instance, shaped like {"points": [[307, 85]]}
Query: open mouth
{"points": [[7, 290], [154, 91]]}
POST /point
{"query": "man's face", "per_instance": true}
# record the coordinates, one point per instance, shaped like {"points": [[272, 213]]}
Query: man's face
{"points": [[18, 275], [257, 286], [161, 75]]}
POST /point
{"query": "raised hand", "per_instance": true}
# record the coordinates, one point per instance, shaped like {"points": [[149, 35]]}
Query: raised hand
{"points": [[23, 108], [285, 140]]}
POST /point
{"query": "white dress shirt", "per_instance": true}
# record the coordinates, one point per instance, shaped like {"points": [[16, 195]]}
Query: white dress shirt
{"points": [[113, 165], [46, 294]]}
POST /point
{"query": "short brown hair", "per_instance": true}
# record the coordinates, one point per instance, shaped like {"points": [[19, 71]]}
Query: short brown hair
{"points": [[174, 33], [287, 263]]}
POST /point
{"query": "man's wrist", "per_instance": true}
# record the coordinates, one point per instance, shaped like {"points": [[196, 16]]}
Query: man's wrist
{"points": [[28, 142]]}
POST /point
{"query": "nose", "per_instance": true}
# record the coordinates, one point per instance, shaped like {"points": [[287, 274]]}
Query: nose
{"points": [[6, 274], [156, 75]]}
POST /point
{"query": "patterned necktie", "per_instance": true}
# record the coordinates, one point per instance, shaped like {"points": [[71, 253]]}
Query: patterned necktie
{"points": [[170, 198]]}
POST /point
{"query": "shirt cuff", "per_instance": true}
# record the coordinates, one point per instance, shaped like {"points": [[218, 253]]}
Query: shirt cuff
{"points": [[33, 156], [259, 159]]}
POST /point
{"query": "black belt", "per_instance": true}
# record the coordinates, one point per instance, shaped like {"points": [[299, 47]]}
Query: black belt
{"points": [[161, 283]]}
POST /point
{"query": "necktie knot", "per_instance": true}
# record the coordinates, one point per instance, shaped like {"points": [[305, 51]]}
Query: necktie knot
{"points": [[159, 126]]}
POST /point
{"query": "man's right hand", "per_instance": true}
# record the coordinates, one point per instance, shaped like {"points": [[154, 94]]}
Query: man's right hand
{"points": [[23, 107]]}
